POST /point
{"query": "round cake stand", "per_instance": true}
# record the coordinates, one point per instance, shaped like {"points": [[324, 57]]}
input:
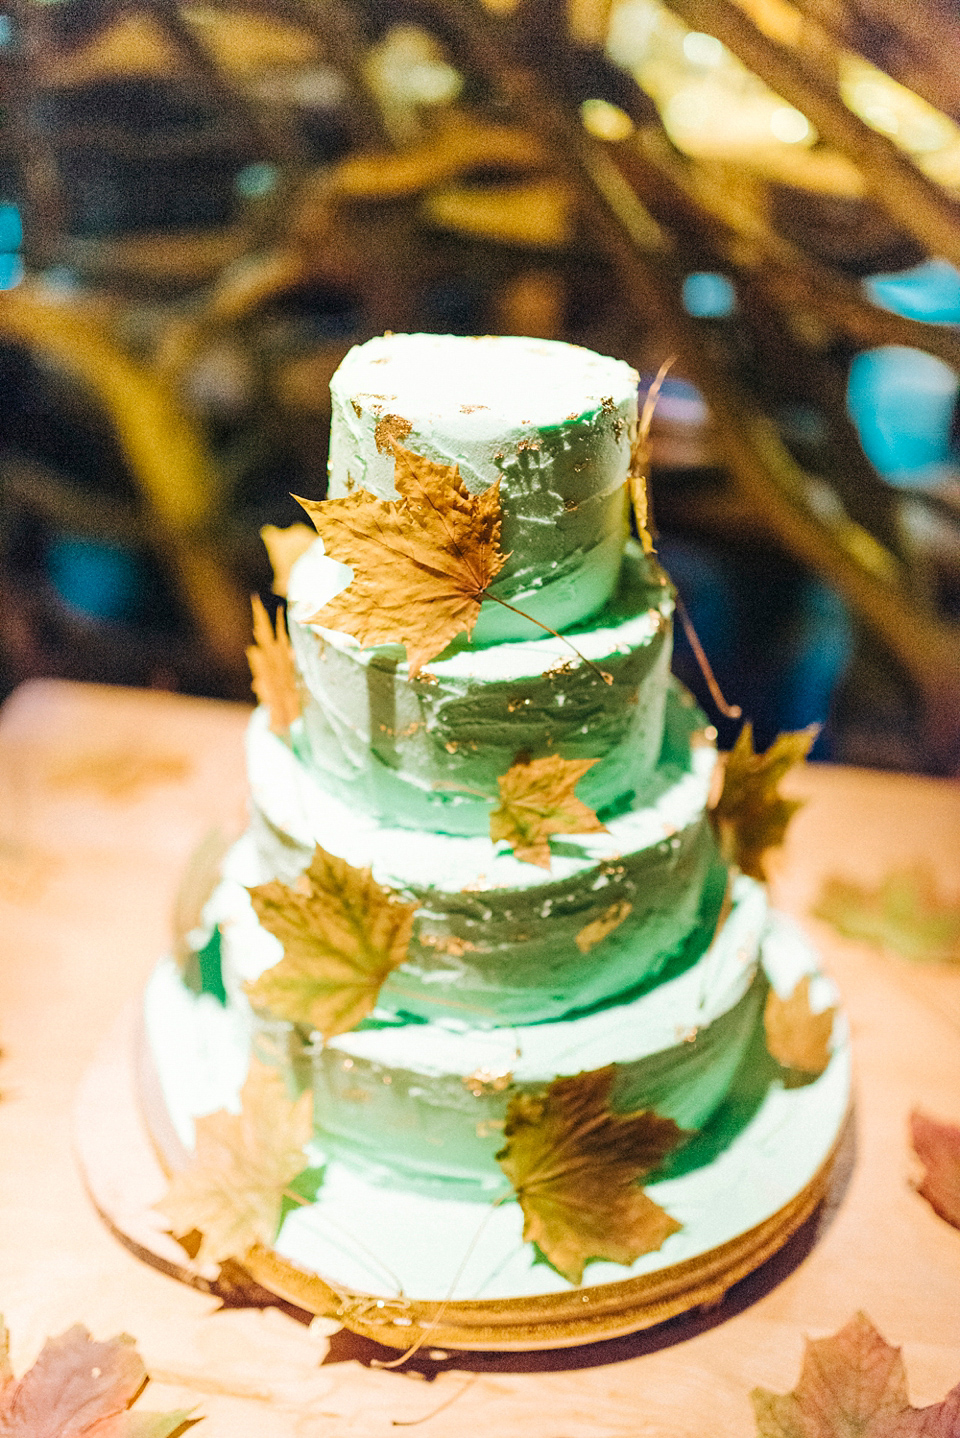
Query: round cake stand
{"points": [[486, 1291]]}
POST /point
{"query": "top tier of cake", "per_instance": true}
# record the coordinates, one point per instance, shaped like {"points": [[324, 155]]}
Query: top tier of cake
{"points": [[553, 421]]}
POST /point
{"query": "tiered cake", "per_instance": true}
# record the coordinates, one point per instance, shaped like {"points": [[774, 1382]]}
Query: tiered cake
{"points": [[516, 939]]}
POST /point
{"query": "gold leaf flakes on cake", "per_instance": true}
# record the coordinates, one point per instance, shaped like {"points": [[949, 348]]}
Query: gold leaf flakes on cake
{"points": [[421, 563], [80, 1388], [852, 1385], [591, 934], [275, 681], [574, 1165], [797, 1037], [284, 547], [537, 800], [342, 933], [751, 815], [392, 429], [484, 1081], [242, 1167], [905, 913]]}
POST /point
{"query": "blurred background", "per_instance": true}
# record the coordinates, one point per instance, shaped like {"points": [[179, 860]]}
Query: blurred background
{"points": [[204, 205]]}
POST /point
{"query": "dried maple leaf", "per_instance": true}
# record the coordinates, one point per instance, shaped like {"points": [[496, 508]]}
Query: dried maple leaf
{"points": [[421, 563], [796, 1036], [284, 547], [591, 934], [79, 1388], [200, 877], [574, 1166], [342, 935], [243, 1165], [537, 800], [904, 913], [275, 681], [751, 815], [638, 477], [937, 1145], [853, 1385]]}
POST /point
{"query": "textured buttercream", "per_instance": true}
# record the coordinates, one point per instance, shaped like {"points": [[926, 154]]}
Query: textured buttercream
{"points": [[553, 421], [423, 753]]}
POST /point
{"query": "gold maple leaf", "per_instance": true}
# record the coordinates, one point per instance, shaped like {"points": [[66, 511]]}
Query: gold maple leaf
{"points": [[574, 1166], [284, 547], [537, 800], [852, 1385], [274, 672], [796, 1036], [751, 815], [421, 563], [242, 1168], [591, 934], [342, 935]]}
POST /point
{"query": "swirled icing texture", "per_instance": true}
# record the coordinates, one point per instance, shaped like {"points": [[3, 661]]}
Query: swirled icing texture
{"points": [[496, 938], [423, 754], [553, 421]]}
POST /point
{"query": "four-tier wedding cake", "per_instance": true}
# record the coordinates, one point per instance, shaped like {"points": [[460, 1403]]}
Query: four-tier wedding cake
{"points": [[483, 917]]}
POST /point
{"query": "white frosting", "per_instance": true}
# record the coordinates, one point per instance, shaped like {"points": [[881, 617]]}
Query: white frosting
{"points": [[552, 421]]}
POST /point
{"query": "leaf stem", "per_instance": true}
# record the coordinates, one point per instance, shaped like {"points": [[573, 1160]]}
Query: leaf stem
{"points": [[607, 678], [729, 711]]}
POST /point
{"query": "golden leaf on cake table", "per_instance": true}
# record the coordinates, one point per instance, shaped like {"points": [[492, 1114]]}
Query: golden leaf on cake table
{"points": [[421, 563], [853, 1385], [751, 815], [574, 1165], [284, 547], [242, 1169], [80, 1388], [537, 800], [797, 1037], [275, 681], [591, 934], [937, 1145], [342, 933], [905, 913]]}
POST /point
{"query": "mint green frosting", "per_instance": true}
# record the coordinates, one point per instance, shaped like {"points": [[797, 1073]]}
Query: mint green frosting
{"points": [[554, 422], [423, 753], [511, 978], [496, 937]]}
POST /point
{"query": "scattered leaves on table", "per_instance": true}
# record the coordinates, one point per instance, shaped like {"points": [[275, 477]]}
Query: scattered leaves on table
{"points": [[591, 934], [853, 1385], [797, 1037], [937, 1145], [284, 547], [574, 1165], [537, 800], [751, 815], [422, 563], [79, 1388], [244, 1167], [275, 680], [342, 935], [119, 774], [904, 913], [201, 875]]}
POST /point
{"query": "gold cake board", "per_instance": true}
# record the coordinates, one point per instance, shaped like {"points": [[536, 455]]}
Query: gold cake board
{"points": [[122, 1134]]}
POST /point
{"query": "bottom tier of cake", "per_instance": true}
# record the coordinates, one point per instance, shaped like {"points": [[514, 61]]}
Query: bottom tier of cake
{"points": [[395, 1262]]}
